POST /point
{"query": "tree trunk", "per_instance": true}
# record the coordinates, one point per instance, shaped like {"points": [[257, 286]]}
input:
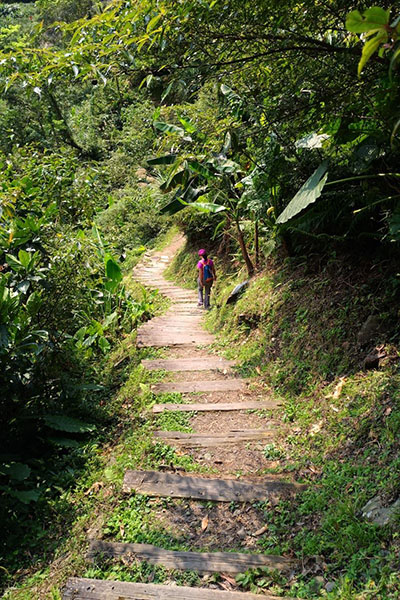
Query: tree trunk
{"points": [[247, 259], [257, 243]]}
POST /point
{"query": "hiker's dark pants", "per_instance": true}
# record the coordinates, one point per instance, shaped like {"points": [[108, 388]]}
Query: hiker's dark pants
{"points": [[207, 290]]}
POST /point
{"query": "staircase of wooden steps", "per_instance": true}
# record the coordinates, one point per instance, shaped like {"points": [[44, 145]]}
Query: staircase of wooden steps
{"points": [[222, 393]]}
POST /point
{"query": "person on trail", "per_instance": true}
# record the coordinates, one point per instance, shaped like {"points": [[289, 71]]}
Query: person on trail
{"points": [[205, 279]]}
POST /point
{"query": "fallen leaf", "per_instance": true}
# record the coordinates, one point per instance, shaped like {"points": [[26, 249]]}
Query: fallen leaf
{"points": [[316, 428], [261, 530], [229, 579], [338, 389], [122, 530], [94, 488], [388, 411], [204, 523]]}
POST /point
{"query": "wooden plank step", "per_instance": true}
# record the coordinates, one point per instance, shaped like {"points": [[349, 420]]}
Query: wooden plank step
{"points": [[165, 326], [209, 440], [188, 364], [217, 385], [171, 485], [96, 589], [216, 406], [161, 342], [202, 562]]}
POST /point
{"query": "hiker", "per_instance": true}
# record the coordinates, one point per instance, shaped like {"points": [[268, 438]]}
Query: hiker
{"points": [[206, 278]]}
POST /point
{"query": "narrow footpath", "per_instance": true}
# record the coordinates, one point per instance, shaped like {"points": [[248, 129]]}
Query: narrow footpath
{"points": [[232, 423]]}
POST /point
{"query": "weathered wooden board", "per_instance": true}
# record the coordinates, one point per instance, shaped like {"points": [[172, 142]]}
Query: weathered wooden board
{"points": [[171, 485], [96, 589], [217, 385], [188, 364], [161, 342], [165, 326], [208, 440], [202, 562], [216, 406]]}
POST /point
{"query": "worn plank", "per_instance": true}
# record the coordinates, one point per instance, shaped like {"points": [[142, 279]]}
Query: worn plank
{"points": [[216, 406], [188, 364], [96, 589], [217, 385], [208, 440], [202, 562], [172, 485], [161, 342]]}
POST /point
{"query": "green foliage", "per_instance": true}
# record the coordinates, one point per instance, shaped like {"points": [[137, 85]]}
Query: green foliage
{"points": [[308, 194]]}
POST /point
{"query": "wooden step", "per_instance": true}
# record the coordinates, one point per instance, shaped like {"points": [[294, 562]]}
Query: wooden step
{"points": [[96, 589], [216, 406], [202, 562], [217, 385], [145, 341], [171, 485], [209, 440], [188, 364]]}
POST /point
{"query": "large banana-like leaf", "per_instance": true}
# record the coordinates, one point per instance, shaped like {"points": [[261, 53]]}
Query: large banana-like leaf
{"points": [[307, 194]]}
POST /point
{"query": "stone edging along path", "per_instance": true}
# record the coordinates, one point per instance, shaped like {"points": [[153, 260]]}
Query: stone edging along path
{"points": [[225, 437]]}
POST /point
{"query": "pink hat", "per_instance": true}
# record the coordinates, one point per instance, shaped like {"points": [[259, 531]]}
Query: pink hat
{"points": [[201, 252]]}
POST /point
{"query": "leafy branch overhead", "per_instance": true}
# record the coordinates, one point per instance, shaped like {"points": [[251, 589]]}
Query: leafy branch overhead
{"points": [[379, 33]]}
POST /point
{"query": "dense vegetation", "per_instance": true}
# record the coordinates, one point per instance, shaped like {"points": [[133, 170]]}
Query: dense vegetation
{"points": [[275, 126]]}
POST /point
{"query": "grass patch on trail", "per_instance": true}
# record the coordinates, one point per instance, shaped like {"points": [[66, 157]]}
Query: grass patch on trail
{"points": [[297, 329]]}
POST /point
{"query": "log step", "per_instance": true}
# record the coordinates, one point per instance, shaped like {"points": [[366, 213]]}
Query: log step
{"points": [[216, 406], [202, 562], [218, 385], [209, 440], [171, 485], [96, 589], [188, 364], [159, 340]]}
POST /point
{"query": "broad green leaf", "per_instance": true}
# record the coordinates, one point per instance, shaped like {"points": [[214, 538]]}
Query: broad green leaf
{"points": [[174, 206], [113, 271], [307, 194], [197, 167], [375, 18], [210, 207], [187, 125], [24, 258], [166, 91], [25, 496], [166, 159], [16, 471], [312, 140], [64, 442], [33, 303], [14, 263], [104, 344], [153, 22], [369, 48], [64, 423], [177, 177], [168, 128]]}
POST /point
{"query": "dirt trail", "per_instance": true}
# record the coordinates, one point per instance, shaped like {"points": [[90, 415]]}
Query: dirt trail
{"points": [[232, 468]]}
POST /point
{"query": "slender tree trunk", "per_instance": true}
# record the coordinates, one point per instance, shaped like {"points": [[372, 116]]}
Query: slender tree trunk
{"points": [[247, 259], [67, 134], [257, 243]]}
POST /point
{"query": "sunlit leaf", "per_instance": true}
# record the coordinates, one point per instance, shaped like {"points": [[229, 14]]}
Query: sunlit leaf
{"points": [[308, 194]]}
